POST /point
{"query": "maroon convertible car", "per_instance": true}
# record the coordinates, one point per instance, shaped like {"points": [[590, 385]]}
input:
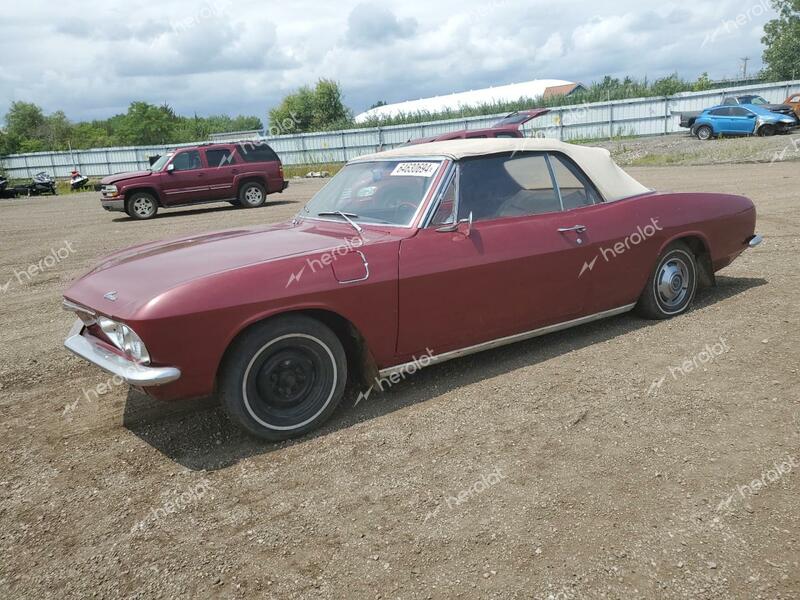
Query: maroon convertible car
{"points": [[436, 250]]}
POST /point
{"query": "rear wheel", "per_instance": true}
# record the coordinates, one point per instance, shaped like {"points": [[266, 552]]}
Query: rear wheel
{"points": [[284, 377], [252, 194], [141, 205], [672, 285], [704, 132]]}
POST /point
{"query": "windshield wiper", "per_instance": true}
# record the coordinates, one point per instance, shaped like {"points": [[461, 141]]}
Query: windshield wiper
{"points": [[346, 216]]}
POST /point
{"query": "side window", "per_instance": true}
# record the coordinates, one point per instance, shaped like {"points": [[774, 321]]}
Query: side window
{"points": [[576, 190], [506, 135], [445, 212], [721, 112], [256, 152], [503, 186], [187, 161], [738, 111], [220, 157], [794, 99]]}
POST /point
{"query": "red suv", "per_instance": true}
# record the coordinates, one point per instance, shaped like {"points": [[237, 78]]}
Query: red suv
{"points": [[241, 173]]}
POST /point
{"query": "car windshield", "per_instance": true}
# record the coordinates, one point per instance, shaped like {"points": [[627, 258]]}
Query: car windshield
{"points": [[159, 164], [753, 100], [386, 192]]}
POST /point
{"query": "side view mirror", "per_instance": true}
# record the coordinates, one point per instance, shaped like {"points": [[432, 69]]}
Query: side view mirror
{"points": [[463, 226], [170, 168]]}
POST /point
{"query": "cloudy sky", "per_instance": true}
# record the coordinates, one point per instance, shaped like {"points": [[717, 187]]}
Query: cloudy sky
{"points": [[92, 58]]}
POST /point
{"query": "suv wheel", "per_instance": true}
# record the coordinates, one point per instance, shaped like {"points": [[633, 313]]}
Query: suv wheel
{"points": [[704, 132], [141, 205], [252, 194]]}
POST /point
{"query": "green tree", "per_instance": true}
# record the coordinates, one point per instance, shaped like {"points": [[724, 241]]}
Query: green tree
{"points": [[667, 86], [782, 41], [317, 109], [146, 124], [703, 83], [24, 120]]}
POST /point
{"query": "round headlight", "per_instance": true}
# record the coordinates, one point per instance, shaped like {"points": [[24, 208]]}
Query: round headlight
{"points": [[126, 339]]}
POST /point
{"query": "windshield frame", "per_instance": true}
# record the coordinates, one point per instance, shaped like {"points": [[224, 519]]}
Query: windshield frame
{"points": [[444, 168], [168, 156]]}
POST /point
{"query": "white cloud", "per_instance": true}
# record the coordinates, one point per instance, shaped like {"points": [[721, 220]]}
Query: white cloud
{"points": [[243, 57]]}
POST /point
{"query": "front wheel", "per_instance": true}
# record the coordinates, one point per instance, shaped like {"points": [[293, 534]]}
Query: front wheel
{"points": [[766, 130], [704, 132], [141, 206], [283, 377], [671, 286]]}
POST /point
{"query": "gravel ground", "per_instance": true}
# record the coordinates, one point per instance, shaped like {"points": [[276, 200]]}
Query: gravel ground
{"points": [[553, 468], [686, 150]]}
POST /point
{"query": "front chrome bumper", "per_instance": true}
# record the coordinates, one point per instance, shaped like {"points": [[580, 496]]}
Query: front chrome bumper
{"points": [[127, 370], [113, 204]]}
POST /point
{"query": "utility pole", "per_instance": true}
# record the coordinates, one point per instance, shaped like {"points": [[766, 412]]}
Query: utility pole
{"points": [[744, 60]]}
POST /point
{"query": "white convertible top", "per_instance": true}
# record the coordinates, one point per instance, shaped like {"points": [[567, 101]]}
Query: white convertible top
{"points": [[610, 179]]}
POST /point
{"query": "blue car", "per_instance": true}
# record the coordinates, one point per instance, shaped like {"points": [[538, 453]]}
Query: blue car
{"points": [[745, 119]]}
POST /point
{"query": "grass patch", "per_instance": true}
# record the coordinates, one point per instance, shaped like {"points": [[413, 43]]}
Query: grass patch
{"points": [[290, 171]]}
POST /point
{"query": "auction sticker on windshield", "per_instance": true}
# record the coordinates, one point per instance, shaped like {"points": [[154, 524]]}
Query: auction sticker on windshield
{"points": [[415, 169]]}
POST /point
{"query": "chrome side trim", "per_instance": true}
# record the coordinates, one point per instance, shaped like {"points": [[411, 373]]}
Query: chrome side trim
{"points": [[127, 370], [518, 337], [755, 241], [366, 268]]}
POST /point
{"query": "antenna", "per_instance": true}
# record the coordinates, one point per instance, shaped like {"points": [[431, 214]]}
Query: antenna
{"points": [[744, 60]]}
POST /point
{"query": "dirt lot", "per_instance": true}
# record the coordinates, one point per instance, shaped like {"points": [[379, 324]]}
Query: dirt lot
{"points": [[553, 468]]}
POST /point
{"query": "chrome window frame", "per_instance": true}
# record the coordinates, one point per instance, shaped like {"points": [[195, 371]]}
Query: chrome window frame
{"points": [[510, 155], [424, 203], [451, 175], [567, 160]]}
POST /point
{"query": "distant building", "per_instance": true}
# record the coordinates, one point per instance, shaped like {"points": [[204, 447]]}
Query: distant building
{"points": [[540, 88], [237, 136]]}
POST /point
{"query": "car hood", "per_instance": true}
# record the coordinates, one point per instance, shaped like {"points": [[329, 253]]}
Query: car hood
{"points": [[137, 276], [117, 177]]}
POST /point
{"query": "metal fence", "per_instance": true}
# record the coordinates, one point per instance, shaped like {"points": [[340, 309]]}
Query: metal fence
{"points": [[632, 117]]}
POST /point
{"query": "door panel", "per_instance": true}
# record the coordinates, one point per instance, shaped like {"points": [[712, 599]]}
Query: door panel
{"points": [[187, 182], [622, 241], [222, 169], [508, 276]]}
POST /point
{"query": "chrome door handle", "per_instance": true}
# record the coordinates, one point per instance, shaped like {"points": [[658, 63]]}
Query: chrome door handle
{"points": [[578, 228]]}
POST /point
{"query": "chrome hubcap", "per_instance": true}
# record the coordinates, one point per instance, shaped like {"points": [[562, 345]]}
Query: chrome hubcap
{"points": [[143, 207], [253, 195], [672, 283]]}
